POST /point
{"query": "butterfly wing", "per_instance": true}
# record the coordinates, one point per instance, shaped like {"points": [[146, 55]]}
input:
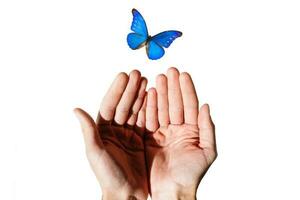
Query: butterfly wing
{"points": [[138, 26], [154, 50], [156, 43], [135, 40], [166, 38]]}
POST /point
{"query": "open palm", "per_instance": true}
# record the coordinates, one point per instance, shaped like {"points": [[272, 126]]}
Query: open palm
{"points": [[114, 144], [180, 144]]}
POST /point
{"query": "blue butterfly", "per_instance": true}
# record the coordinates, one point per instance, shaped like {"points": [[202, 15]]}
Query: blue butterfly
{"points": [[154, 44]]}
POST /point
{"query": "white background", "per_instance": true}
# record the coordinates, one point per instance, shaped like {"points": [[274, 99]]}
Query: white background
{"points": [[56, 55]]}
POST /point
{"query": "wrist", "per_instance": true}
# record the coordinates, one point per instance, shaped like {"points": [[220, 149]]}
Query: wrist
{"points": [[122, 195], [179, 194]]}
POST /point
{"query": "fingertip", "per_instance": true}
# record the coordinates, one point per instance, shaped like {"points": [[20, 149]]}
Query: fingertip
{"points": [[144, 81], [77, 112], [151, 97], [205, 119], [83, 116], [135, 73], [160, 76], [172, 70], [205, 108], [185, 76], [161, 79], [122, 76], [151, 91], [120, 81], [186, 82], [135, 78]]}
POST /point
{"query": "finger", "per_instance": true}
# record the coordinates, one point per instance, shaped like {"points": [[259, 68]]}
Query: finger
{"points": [[190, 100], [138, 102], [174, 97], [141, 117], [91, 136], [207, 132], [124, 106], [151, 111], [162, 100], [112, 98]]}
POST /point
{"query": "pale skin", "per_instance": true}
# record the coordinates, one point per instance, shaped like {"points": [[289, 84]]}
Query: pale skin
{"points": [[157, 142]]}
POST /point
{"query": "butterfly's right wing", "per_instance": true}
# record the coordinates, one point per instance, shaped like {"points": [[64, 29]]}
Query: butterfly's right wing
{"points": [[138, 26], [156, 43], [166, 38]]}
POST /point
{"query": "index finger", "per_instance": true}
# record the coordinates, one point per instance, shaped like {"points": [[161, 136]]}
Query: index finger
{"points": [[112, 98]]}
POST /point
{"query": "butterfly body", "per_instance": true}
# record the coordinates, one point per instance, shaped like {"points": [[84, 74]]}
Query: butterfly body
{"points": [[154, 44]]}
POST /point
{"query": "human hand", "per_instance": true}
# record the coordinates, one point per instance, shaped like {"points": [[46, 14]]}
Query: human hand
{"points": [[180, 140], [114, 144]]}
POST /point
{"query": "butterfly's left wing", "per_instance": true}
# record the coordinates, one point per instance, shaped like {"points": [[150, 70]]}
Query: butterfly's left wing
{"points": [[139, 36], [166, 38], [138, 24], [154, 50]]}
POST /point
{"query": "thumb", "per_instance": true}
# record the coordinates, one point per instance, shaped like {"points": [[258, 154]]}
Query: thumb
{"points": [[90, 132], [207, 128]]}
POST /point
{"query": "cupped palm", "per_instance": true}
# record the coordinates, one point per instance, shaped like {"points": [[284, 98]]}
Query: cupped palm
{"points": [[180, 144], [114, 144]]}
